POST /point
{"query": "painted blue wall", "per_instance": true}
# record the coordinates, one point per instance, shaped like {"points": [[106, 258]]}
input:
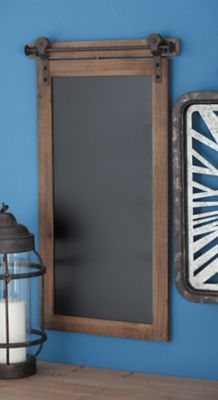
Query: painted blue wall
{"points": [[193, 349]]}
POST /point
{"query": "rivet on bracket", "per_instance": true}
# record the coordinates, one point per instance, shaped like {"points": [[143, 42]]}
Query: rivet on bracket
{"points": [[159, 46], [42, 44]]}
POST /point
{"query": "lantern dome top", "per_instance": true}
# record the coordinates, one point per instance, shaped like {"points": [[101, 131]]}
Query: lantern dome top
{"points": [[14, 237]]}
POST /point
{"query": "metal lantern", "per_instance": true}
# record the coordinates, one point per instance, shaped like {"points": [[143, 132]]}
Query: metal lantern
{"points": [[21, 319]]}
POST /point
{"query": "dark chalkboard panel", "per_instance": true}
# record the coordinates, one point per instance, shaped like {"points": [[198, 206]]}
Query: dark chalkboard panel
{"points": [[102, 142]]}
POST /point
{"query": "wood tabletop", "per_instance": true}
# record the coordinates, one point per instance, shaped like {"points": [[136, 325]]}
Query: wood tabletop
{"points": [[64, 382]]}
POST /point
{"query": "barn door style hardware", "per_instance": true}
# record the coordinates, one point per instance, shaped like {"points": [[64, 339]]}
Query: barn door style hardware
{"points": [[155, 46], [195, 147], [158, 48], [103, 121]]}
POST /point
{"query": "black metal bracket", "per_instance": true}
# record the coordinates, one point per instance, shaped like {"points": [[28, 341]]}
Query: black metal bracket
{"points": [[41, 46], [159, 47]]}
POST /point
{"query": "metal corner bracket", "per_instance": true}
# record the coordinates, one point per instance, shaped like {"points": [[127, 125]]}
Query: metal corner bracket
{"points": [[41, 47], [159, 46]]}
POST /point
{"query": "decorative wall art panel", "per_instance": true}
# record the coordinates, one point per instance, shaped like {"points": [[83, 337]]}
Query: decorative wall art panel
{"points": [[103, 184], [195, 149]]}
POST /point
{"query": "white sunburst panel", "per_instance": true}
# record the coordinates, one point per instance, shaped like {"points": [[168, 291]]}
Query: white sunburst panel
{"points": [[202, 199]]}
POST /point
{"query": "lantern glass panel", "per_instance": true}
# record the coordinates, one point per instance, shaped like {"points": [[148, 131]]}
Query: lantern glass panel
{"points": [[19, 306]]}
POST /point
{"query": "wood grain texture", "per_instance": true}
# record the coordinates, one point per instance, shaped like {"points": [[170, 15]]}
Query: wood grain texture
{"points": [[45, 156], [100, 327], [158, 330], [58, 382], [160, 205], [126, 67]]}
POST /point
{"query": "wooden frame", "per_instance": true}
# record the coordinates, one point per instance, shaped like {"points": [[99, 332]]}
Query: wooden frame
{"points": [[186, 268], [85, 61]]}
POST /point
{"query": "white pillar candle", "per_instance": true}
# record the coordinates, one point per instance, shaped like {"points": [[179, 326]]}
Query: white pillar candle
{"points": [[17, 332]]}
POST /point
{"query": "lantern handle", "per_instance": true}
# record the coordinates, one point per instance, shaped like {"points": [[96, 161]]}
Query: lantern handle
{"points": [[4, 208]]}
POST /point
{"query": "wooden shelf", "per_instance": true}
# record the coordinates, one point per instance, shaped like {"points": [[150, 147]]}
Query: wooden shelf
{"points": [[58, 382]]}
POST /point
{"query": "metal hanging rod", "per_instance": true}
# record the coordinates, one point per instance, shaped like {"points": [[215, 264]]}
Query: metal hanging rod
{"points": [[154, 43], [33, 51], [154, 46]]}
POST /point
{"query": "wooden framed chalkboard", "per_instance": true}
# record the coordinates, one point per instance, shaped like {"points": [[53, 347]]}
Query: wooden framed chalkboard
{"points": [[103, 185]]}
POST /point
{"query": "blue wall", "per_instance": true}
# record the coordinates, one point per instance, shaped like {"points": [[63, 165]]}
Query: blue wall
{"points": [[193, 349]]}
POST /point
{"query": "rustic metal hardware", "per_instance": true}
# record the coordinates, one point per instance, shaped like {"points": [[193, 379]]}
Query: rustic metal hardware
{"points": [[195, 144], [41, 50], [119, 58], [21, 370], [155, 46], [159, 47], [15, 238], [4, 208], [42, 44]]}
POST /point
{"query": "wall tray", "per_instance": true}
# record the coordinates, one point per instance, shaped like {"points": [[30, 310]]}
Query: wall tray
{"points": [[195, 182]]}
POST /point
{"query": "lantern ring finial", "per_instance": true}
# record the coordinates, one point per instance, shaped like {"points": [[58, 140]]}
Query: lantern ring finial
{"points": [[4, 208]]}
